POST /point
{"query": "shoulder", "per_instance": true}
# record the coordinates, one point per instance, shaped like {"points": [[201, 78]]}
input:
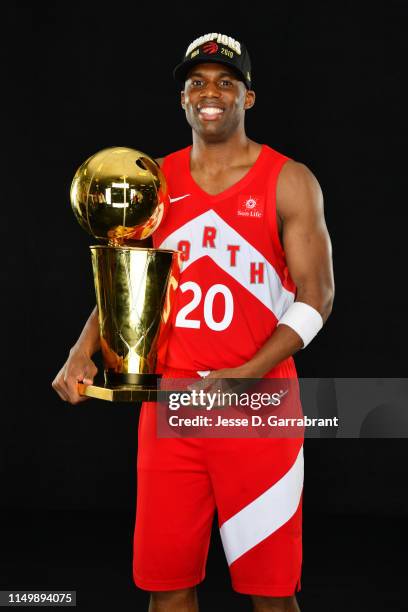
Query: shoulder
{"points": [[295, 176], [174, 156], [297, 188]]}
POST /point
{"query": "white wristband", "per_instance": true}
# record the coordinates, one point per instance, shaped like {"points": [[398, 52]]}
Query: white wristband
{"points": [[305, 320]]}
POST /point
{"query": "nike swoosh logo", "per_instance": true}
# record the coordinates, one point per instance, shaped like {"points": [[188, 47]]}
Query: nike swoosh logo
{"points": [[179, 198], [203, 373]]}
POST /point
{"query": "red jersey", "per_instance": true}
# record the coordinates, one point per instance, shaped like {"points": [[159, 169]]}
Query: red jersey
{"points": [[235, 284]]}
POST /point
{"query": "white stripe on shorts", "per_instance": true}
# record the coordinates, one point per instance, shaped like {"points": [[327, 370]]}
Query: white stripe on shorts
{"points": [[264, 515]]}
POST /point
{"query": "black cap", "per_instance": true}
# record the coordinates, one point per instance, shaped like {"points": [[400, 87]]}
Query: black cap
{"points": [[218, 48]]}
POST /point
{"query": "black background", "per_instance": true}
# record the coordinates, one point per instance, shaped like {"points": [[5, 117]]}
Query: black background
{"points": [[329, 79]]}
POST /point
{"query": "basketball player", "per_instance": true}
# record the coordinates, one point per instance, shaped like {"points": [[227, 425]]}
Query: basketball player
{"points": [[256, 286]]}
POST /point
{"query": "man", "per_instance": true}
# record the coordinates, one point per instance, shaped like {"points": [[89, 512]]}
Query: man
{"points": [[256, 286]]}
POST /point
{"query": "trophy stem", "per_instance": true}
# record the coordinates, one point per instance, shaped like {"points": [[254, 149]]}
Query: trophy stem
{"points": [[135, 288]]}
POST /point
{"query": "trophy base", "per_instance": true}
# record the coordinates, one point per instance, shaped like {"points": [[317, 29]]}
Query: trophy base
{"points": [[127, 379], [121, 393]]}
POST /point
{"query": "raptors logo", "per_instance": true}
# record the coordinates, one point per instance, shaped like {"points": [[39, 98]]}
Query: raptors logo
{"points": [[210, 47]]}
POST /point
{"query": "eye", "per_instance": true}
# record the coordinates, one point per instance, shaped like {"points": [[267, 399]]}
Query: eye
{"points": [[226, 83], [196, 82]]}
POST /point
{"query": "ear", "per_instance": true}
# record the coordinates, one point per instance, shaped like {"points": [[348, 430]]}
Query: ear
{"points": [[182, 100], [249, 99]]}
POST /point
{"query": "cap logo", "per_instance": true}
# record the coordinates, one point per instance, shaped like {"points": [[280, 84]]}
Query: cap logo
{"points": [[210, 47], [221, 39]]}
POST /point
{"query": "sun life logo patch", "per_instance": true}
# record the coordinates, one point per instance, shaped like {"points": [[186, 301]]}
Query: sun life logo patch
{"points": [[250, 206]]}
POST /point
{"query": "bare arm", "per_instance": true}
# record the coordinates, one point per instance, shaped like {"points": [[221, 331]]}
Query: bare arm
{"points": [[79, 366], [89, 340], [308, 253], [305, 237]]}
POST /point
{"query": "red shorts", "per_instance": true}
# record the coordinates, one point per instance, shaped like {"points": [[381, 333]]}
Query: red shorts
{"points": [[255, 485]]}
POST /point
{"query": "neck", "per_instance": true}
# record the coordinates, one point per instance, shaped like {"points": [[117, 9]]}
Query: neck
{"points": [[220, 154]]}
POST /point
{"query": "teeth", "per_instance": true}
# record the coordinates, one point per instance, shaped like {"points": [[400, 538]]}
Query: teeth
{"points": [[211, 110]]}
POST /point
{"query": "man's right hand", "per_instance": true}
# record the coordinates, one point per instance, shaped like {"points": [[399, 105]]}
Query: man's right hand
{"points": [[79, 367]]}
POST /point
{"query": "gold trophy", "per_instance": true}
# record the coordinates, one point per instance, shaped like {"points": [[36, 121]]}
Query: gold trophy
{"points": [[120, 195]]}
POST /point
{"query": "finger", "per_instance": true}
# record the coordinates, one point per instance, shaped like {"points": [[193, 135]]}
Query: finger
{"points": [[82, 398], [77, 399], [212, 382], [62, 395], [71, 384], [59, 387], [198, 386], [89, 374]]}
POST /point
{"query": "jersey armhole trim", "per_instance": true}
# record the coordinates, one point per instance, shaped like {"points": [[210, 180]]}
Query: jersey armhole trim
{"points": [[273, 211], [175, 157]]}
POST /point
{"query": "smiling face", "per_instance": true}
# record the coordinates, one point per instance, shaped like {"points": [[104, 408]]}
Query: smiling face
{"points": [[215, 101]]}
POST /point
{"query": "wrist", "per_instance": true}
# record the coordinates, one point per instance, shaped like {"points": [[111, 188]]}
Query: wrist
{"points": [[250, 370], [81, 349]]}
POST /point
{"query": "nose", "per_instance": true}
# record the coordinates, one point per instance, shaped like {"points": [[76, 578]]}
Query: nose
{"points": [[210, 91]]}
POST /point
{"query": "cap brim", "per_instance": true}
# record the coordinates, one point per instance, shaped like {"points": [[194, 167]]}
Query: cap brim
{"points": [[180, 72]]}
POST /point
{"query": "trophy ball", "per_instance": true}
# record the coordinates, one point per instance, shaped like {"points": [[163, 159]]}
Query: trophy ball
{"points": [[120, 195]]}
